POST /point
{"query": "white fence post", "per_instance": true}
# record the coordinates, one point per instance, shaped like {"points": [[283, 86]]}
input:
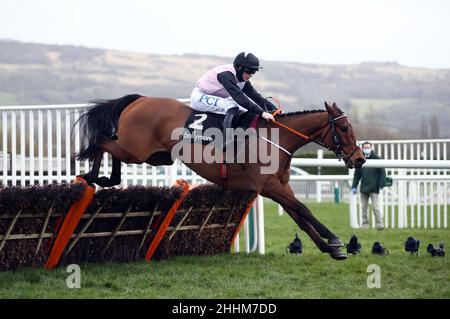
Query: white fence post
{"points": [[401, 203], [318, 183], [353, 211], [236, 244], [260, 218]]}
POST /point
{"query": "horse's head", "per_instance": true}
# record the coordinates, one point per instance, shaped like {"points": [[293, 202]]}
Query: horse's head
{"points": [[339, 138]]}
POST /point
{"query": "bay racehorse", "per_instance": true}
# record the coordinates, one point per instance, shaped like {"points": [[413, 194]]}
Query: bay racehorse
{"points": [[137, 129]]}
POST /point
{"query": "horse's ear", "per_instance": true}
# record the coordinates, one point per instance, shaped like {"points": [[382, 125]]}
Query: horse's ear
{"points": [[328, 107], [337, 109]]}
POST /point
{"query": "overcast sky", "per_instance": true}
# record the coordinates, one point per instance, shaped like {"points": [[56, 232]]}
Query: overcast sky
{"points": [[411, 32]]}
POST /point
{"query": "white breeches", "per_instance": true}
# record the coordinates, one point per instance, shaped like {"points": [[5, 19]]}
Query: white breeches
{"points": [[210, 103]]}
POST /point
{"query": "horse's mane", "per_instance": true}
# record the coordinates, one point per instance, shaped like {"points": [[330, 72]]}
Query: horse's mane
{"points": [[300, 113]]}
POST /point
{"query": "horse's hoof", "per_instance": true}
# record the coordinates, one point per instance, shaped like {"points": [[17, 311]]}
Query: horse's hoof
{"points": [[106, 182], [338, 254], [335, 242]]}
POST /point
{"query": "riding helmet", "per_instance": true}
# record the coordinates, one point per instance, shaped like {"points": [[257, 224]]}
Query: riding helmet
{"points": [[249, 61]]}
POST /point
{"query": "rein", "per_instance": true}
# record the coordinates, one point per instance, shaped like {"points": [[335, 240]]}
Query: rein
{"points": [[338, 150], [306, 137]]}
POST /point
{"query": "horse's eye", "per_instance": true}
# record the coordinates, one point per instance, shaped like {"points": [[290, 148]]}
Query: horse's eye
{"points": [[344, 128]]}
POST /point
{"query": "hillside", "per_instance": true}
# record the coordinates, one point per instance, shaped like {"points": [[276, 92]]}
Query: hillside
{"points": [[383, 100]]}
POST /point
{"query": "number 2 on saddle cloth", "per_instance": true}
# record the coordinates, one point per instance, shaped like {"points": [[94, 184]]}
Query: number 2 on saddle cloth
{"points": [[202, 128]]}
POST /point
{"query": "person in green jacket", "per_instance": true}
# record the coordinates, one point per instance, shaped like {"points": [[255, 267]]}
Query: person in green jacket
{"points": [[372, 180]]}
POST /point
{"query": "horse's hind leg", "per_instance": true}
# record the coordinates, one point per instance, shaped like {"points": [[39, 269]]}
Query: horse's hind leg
{"points": [[112, 147], [92, 176], [115, 177], [118, 154]]}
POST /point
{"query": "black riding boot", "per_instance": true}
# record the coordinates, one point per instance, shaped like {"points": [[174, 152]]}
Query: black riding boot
{"points": [[228, 124]]}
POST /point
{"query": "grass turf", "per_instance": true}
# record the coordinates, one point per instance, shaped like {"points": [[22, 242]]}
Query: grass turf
{"points": [[274, 275]]}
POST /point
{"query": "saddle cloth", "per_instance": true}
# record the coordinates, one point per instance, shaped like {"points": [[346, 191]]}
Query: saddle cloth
{"points": [[203, 127]]}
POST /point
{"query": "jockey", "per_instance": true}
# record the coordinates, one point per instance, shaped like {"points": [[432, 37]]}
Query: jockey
{"points": [[215, 87]]}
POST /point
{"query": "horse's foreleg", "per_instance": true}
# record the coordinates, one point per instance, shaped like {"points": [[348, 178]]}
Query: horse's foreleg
{"points": [[323, 231], [283, 195], [309, 229]]}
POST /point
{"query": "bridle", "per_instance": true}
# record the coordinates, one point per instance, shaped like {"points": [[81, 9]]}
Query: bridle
{"points": [[338, 146]]}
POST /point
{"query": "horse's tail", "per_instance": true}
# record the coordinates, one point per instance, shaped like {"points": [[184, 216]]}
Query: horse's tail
{"points": [[100, 120]]}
